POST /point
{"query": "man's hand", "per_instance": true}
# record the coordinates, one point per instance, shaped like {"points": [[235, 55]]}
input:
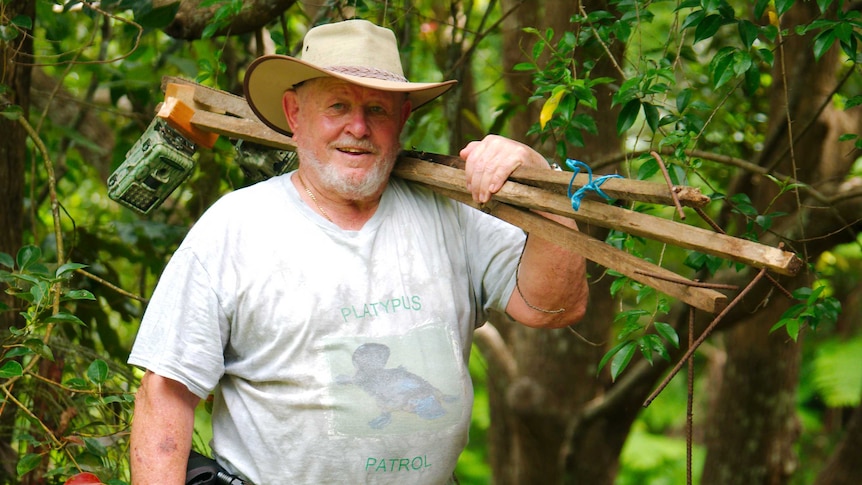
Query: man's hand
{"points": [[552, 289], [492, 160]]}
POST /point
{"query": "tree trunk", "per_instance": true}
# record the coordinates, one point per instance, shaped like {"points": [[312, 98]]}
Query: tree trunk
{"points": [[537, 433], [13, 154], [753, 424]]}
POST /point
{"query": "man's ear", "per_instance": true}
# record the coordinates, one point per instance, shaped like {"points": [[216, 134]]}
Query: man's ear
{"points": [[406, 109], [290, 105]]}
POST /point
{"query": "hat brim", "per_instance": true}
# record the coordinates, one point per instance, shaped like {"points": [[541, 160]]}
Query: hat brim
{"points": [[268, 78]]}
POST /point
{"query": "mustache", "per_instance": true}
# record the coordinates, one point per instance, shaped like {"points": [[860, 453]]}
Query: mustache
{"points": [[356, 144]]}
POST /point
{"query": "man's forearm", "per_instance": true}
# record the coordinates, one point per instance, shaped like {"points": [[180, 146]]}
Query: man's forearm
{"points": [[552, 288], [161, 431]]}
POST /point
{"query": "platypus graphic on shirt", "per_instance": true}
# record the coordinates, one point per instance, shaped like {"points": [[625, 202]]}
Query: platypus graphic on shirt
{"points": [[394, 389]]}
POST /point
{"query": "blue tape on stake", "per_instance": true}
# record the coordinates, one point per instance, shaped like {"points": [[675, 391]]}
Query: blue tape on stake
{"points": [[590, 186]]}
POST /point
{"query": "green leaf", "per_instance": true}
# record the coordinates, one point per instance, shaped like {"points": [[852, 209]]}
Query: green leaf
{"points": [[747, 33], [210, 30], [78, 295], [823, 42], [667, 332], [721, 67], [77, 383], [622, 358], [95, 447], [628, 115], [97, 372], [683, 99], [760, 8], [648, 169], [23, 22], [792, 328], [27, 256], [708, 27], [156, 18], [7, 261], [610, 353], [12, 112], [782, 6], [64, 317], [651, 343], [524, 66], [711, 5], [28, 463], [17, 352], [68, 268], [752, 80], [652, 116], [688, 4], [693, 19], [11, 369], [837, 374], [39, 347]]}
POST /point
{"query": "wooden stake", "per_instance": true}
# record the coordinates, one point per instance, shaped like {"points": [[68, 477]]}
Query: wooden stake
{"points": [[597, 251], [601, 214]]}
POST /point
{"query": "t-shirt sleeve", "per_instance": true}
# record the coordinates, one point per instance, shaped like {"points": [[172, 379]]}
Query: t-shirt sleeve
{"points": [[184, 329], [493, 248]]}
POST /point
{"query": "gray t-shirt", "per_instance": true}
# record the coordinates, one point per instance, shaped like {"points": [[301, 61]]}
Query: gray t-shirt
{"points": [[334, 356]]}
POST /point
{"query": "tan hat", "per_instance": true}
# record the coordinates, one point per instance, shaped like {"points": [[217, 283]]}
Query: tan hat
{"points": [[355, 51]]}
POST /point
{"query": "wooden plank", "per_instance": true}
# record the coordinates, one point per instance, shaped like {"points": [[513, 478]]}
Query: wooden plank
{"points": [[179, 115], [558, 182], [214, 100], [601, 214], [242, 129], [599, 252]]}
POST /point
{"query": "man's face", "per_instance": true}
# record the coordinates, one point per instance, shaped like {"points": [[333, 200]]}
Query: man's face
{"points": [[346, 134]]}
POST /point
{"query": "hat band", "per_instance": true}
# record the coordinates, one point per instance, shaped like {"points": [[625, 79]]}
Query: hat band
{"points": [[369, 72]]}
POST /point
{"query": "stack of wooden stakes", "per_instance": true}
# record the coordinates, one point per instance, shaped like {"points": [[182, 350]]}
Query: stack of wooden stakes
{"points": [[201, 113]]}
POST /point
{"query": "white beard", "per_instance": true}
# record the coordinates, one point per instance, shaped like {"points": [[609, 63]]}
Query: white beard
{"points": [[349, 188]]}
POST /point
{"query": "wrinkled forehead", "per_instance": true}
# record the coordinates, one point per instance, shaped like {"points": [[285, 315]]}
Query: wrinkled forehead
{"points": [[323, 87]]}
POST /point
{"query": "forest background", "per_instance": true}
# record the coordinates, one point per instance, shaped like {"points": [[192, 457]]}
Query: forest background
{"points": [[755, 103]]}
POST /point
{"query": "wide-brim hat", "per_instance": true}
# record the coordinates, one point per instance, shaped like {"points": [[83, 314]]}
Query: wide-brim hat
{"points": [[356, 51]]}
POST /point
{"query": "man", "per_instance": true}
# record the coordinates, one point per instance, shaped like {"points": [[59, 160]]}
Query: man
{"points": [[331, 310]]}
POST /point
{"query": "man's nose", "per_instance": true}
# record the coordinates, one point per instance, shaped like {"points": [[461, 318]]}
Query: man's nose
{"points": [[357, 123]]}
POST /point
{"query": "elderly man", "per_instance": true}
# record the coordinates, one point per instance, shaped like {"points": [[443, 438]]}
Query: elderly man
{"points": [[330, 310]]}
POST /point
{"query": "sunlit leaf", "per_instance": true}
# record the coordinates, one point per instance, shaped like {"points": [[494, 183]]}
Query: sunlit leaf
{"points": [[550, 106]]}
